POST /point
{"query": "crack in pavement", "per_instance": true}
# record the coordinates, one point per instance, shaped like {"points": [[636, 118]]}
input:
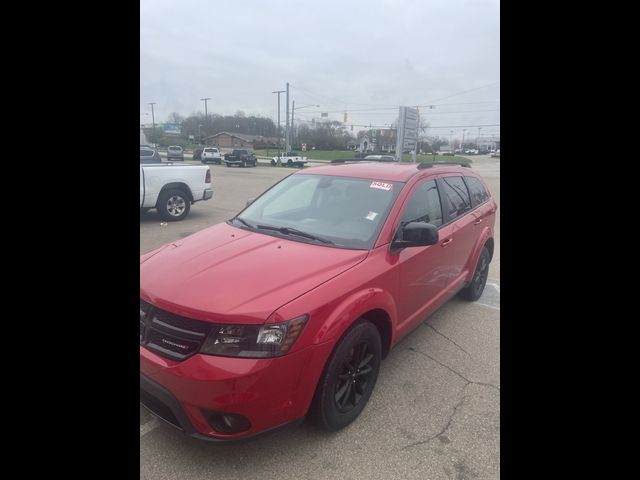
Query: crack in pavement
{"points": [[445, 428], [444, 336], [454, 371], [457, 405]]}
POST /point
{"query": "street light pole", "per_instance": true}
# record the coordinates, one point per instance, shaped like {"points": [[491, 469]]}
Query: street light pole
{"points": [[286, 126], [199, 134], [462, 143], [293, 109], [153, 118], [279, 132], [478, 140]]}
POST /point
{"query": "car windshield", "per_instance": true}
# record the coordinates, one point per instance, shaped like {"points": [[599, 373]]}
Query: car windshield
{"points": [[175, 149], [210, 150], [146, 153], [340, 211]]}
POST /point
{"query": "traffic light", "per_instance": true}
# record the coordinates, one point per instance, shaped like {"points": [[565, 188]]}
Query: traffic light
{"points": [[345, 117]]}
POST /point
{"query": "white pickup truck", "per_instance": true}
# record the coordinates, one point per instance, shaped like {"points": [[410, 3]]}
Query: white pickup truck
{"points": [[289, 159], [171, 189]]}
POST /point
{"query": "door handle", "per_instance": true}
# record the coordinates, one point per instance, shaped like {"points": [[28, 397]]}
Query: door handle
{"points": [[478, 221], [446, 242]]}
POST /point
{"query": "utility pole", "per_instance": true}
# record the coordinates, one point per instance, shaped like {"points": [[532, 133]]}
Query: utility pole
{"points": [[478, 140], [205, 107], [279, 133], [153, 118], [462, 143], [293, 131], [286, 131]]}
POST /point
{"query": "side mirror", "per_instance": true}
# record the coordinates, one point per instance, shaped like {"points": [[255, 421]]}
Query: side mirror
{"points": [[416, 234], [250, 201]]}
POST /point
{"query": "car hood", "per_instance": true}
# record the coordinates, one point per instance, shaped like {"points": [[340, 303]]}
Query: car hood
{"points": [[230, 275]]}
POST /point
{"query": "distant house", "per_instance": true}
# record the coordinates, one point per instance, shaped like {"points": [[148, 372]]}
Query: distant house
{"points": [[238, 140], [383, 140]]}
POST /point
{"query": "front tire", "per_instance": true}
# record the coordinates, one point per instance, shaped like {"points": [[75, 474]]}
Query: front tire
{"points": [[349, 377], [473, 291], [173, 205]]}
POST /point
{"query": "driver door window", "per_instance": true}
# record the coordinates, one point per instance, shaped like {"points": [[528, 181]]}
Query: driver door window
{"points": [[424, 205]]}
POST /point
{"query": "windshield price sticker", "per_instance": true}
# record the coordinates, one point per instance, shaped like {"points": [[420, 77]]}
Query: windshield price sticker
{"points": [[381, 185]]}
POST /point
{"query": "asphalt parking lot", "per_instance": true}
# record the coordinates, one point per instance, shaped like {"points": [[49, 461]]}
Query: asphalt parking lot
{"points": [[435, 411]]}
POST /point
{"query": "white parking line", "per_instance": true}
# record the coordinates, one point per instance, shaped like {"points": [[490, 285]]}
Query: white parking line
{"points": [[149, 426]]}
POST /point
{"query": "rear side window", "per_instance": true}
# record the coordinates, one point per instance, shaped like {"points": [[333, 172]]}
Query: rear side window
{"points": [[455, 191], [424, 205], [478, 193]]}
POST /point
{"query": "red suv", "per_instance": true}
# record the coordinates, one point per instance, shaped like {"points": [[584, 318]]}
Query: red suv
{"points": [[289, 307]]}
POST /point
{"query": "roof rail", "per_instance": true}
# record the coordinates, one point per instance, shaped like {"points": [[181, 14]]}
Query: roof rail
{"points": [[359, 160], [424, 165]]}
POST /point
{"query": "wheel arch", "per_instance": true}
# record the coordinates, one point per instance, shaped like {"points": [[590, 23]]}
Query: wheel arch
{"points": [[485, 239], [177, 186]]}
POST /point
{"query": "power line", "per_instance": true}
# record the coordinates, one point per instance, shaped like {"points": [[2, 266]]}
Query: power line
{"points": [[343, 102], [462, 93]]}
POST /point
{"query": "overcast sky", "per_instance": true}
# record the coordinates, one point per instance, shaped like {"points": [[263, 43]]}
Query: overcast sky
{"points": [[370, 55]]}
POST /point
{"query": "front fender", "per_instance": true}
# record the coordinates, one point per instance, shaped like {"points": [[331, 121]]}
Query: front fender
{"points": [[351, 308]]}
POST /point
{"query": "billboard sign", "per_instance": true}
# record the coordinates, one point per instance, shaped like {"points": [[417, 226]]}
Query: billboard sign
{"points": [[407, 130], [171, 128]]}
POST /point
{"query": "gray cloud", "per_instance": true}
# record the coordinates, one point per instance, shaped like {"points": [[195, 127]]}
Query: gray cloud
{"points": [[339, 54]]}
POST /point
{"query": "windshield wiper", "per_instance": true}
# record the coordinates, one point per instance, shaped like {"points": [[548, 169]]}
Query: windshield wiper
{"points": [[294, 231], [243, 222]]}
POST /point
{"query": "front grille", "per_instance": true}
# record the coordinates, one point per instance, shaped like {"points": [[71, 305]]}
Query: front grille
{"points": [[170, 335]]}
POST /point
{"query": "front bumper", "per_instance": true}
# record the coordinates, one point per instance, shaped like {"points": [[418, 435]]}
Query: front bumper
{"points": [[268, 392], [162, 404]]}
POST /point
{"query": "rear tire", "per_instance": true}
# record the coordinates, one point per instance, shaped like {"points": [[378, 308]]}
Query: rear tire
{"points": [[348, 378], [473, 291], [173, 205]]}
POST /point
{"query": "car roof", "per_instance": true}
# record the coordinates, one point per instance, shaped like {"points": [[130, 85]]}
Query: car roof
{"points": [[394, 172]]}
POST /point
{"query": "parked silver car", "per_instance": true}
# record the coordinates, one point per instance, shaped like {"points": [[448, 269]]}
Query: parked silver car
{"points": [[175, 152]]}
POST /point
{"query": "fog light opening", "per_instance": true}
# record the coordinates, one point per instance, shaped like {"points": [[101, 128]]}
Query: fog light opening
{"points": [[228, 422]]}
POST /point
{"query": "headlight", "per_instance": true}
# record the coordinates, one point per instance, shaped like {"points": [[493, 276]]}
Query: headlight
{"points": [[253, 341]]}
